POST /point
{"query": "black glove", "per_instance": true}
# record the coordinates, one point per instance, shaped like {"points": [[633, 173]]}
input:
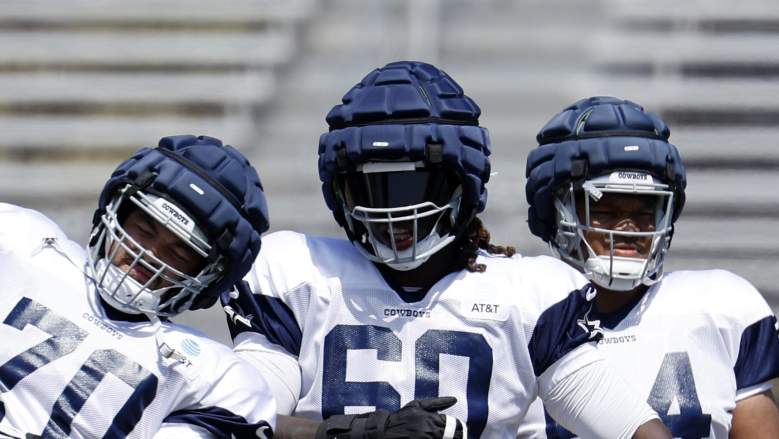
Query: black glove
{"points": [[417, 419]]}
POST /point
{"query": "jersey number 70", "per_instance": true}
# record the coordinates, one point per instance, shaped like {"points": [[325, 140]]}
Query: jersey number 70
{"points": [[65, 337]]}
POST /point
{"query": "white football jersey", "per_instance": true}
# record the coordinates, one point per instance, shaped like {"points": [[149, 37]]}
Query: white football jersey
{"points": [[67, 370], [485, 338], [695, 344]]}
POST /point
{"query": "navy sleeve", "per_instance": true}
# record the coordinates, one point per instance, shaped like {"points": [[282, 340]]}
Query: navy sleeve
{"points": [[758, 354], [221, 423], [262, 314], [555, 430], [562, 328]]}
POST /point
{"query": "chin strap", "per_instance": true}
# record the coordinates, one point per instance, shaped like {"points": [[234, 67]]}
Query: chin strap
{"points": [[616, 274], [418, 419]]}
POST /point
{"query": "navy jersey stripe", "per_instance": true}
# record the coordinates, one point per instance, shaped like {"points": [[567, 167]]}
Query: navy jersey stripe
{"points": [[221, 423], [758, 354], [612, 319], [262, 314], [562, 328]]}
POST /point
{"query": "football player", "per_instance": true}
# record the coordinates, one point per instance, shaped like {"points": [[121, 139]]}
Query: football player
{"points": [[86, 345], [377, 333], [605, 188]]}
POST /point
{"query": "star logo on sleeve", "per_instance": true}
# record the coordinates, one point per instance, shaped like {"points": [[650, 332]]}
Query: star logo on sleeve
{"points": [[592, 327], [236, 317]]}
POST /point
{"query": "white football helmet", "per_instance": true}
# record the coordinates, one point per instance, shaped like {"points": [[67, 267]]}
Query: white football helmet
{"points": [[613, 253], [166, 291]]}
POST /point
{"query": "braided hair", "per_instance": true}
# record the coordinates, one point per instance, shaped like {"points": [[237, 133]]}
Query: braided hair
{"points": [[478, 237]]}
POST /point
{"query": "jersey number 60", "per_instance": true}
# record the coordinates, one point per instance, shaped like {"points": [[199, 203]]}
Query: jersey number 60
{"points": [[338, 393]]}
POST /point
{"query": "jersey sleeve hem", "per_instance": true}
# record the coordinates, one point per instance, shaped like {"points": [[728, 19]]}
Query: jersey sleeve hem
{"points": [[218, 422], [750, 391], [758, 355]]}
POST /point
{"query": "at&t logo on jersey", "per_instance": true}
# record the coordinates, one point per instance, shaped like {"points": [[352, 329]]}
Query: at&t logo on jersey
{"points": [[484, 310], [191, 347]]}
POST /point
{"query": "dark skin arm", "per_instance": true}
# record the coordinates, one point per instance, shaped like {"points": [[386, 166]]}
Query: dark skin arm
{"points": [[290, 427], [756, 417], [653, 429]]}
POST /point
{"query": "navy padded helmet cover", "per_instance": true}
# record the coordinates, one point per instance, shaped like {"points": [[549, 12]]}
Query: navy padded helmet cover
{"points": [[395, 114], [211, 210], [588, 139]]}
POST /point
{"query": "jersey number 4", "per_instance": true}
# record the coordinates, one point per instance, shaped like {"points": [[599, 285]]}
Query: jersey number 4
{"points": [[64, 338], [338, 393], [674, 381]]}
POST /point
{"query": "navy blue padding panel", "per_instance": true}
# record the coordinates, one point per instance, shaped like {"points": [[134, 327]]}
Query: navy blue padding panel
{"points": [[558, 332], [464, 149], [404, 90], [221, 423], [407, 111], [231, 209], [758, 354], [267, 315], [589, 139]]}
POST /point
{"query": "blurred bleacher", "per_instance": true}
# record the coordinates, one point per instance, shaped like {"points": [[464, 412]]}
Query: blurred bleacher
{"points": [[86, 82], [711, 70], [83, 83]]}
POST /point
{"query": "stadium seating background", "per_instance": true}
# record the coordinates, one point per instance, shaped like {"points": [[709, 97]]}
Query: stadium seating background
{"points": [[83, 83]]}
